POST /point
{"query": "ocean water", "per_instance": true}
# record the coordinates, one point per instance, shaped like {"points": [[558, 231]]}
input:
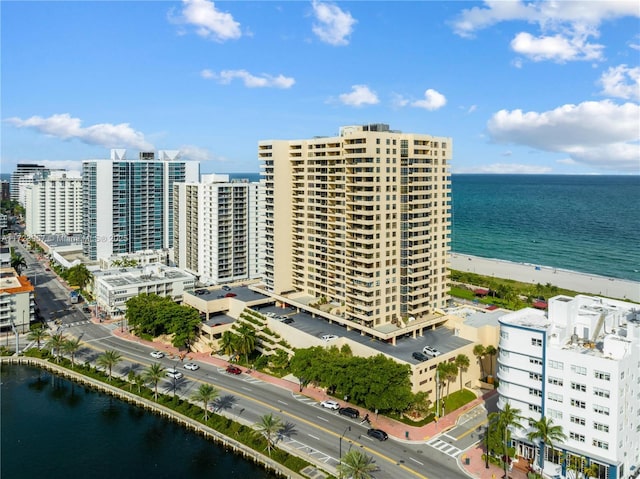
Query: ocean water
{"points": [[589, 224], [55, 429]]}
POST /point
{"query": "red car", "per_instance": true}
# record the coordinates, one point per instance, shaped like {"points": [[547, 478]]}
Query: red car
{"points": [[234, 370], [230, 295]]}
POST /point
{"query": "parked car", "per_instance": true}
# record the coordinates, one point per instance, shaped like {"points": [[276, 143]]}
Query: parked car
{"points": [[157, 354], [349, 412], [226, 288], [173, 373], [234, 370], [330, 404], [191, 366], [329, 337], [288, 320], [378, 434], [86, 309], [419, 356], [230, 295], [431, 352]]}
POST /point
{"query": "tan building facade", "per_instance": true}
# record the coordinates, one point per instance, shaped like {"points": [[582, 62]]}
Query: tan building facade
{"points": [[361, 222]]}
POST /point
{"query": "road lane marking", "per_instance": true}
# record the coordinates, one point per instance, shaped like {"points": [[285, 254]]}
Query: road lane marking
{"points": [[471, 430], [282, 402], [247, 389], [315, 437], [416, 461], [322, 419]]}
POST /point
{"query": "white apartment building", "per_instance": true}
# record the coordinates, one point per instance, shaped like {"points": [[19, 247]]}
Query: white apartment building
{"points": [[578, 365], [360, 221], [128, 204], [53, 204], [115, 286], [22, 176], [17, 304], [219, 229]]}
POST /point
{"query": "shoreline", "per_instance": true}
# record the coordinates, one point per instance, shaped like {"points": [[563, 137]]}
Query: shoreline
{"points": [[534, 274]]}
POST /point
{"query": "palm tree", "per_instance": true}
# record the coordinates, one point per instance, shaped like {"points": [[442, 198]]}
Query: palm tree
{"points": [[269, 427], [56, 343], [355, 464], [108, 360], [206, 393], [154, 374], [548, 434], [246, 340], [479, 352], [139, 381], [462, 361], [18, 262], [79, 275], [228, 343], [71, 346], [38, 334], [508, 418], [491, 352]]}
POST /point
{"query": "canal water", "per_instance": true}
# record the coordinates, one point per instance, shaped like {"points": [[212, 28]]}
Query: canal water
{"points": [[52, 428]]}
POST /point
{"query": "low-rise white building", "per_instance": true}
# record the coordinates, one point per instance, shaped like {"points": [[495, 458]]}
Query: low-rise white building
{"points": [[115, 286], [579, 365]]}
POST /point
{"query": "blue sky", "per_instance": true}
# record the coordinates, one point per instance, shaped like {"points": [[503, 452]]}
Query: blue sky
{"points": [[521, 87]]}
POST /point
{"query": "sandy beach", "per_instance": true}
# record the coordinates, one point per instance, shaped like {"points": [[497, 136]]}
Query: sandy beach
{"points": [[531, 273]]}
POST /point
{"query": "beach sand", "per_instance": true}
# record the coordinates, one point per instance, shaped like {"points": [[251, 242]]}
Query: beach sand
{"points": [[531, 273]]}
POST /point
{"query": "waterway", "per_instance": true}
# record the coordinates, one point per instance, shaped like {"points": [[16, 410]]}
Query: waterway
{"points": [[55, 429]]}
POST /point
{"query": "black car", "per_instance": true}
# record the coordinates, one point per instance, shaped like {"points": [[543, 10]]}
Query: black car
{"points": [[86, 309], [349, 412], [379, 434], [287, 320], [419, 356]]}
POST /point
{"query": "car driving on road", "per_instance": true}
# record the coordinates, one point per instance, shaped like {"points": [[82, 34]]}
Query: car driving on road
{"points": [[191, 366], [349, 412], [330, 404], [234, 370], [157, 354], [378, 434], [173, 373]]}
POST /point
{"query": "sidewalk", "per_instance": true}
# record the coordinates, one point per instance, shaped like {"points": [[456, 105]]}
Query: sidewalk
{"points": [[402, 432]]}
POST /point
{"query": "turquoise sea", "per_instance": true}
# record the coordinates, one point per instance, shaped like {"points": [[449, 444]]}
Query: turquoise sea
{"points": [[589, 224]]}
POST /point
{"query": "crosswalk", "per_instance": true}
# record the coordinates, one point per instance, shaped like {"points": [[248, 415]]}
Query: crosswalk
{"points": [[443, 446]]}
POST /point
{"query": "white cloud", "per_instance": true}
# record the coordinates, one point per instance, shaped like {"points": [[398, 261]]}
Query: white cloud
{"points": [[360, 95], [398, 101], [209, 22], [195, 153], [621, 82], [505, 168], [250, 81], [433, 100], [334, 25], [564, 27], [600, 134], [65, 127], [555, 48]]}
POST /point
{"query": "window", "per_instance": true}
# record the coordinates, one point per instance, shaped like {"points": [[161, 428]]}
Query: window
{"points": [[555, 381], [535, 361], [600, 444], [556, 365], [576, 437], [555, 397], [579, 370], [577, 420], [554, 413], [602, 375], [535, 392], [535, 376], [504, 334], [577, 403], [536, 342], [603, 393], [579, 387], [534, 408], [601, 409], [600, 427]]}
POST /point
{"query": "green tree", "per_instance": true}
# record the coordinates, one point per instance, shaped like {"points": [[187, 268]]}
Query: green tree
{"points": [[131, 377], [205, 394], [71, 347], [269, 427], [108, 360], [18, 262], [548, 434], [79, 275], [420, 405], [246, 340], [154, 375], [279, 360], [38, 334], [463, 363], [491, 352], [56, 344], [355, 464], [479, 352], [228, 343], [139, 382], [506, 420], [183, 325]]}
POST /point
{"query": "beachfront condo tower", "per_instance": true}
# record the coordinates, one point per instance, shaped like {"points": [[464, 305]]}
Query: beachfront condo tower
{"points": [[360, 223], [219, 229], [128, 204]]}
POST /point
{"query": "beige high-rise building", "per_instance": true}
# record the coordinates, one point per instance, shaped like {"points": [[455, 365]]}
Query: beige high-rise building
{"points": [[360, 221]]}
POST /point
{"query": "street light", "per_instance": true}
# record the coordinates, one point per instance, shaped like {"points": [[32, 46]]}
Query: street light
{"points": [[486, 452], [345, 431]]}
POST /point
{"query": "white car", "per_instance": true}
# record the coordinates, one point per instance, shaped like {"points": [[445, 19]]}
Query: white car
{"points": [[329, 337], [191, 366], [173, 373], [157, 354], [330, 404]]}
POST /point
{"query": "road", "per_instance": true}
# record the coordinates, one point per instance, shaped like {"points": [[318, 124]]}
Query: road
{"points": [[314, 432]]}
